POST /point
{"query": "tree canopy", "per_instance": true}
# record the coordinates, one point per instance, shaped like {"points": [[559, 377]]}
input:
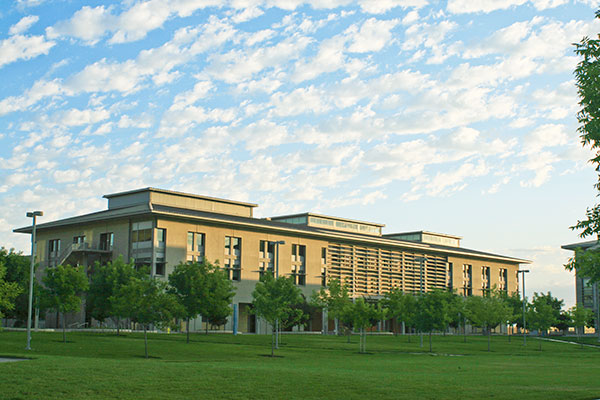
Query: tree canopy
{"points": [[273, 300], [63, 287]]}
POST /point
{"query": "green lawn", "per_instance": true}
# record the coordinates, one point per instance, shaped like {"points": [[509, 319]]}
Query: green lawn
{"points": [[94, 365]]}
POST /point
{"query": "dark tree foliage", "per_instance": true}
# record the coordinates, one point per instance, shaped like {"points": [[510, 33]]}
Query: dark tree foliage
{"points": [[587, 77], [17, 272]]}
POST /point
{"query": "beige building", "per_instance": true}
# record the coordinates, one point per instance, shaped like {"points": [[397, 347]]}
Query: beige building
{"points": [[163, 228]]}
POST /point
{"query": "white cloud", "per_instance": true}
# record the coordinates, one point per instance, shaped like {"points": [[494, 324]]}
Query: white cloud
{"points": [[23, 25], [329, 58], [19, 47], [486, 6], [88, 24], [300, 101], [373, 35], [382, 6]]}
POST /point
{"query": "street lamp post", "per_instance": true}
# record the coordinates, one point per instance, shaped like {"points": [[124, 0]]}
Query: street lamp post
{"points": [[277, 243], [523, 271], [32, 214], [422, 261]]}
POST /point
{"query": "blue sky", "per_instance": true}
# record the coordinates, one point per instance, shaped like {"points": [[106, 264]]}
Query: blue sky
{"points": [[454, 117]]}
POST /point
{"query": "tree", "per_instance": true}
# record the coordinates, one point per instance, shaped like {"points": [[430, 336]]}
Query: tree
{"points": [[363, 313], [273, 300], [105, 281], [487, 312], [17, 272], [580, 318], [432, 312], [335, 299], [145, 301], [587, 78], [63, 287], [215, 307], [188, 282], [400, 307], [541, 315], [8, 292]]}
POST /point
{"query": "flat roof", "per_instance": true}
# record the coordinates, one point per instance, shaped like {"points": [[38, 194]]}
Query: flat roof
{"points": [[281, 227], [311, 214], [426, 232], [176, 193], [580, 245]]}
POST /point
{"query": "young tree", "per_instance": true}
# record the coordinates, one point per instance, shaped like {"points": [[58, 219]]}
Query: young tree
{"points": [[335, 299], [580, 318], [215, 307], [63, 287], [487, 312], [106, 280], [188, 282], [432, 312], [273, 300], [541, 315], [17, 273], [400, 307], [8, 292], [363, 313], [145, 301]]}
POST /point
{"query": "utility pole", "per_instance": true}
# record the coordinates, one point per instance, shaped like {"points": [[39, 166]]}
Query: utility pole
{"points": [[523, 271], [32, 214]]}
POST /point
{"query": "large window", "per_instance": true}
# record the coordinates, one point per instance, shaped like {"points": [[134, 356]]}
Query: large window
{"points": [[449, 276], [299, 264], [233, 257], [195, 247], [266, 257], [53, 251], [502, 279], [485, 280], [107, 240], [467, 280]]}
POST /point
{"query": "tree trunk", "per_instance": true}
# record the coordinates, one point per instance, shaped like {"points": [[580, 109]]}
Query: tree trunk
{"points": [[489, 338], [64, 332], [118, 325], [272, 342], [188, 331], [206, 332], [430, 341], [145, 341]]}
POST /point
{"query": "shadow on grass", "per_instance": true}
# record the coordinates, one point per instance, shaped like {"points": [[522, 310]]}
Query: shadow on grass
{"points": [[147, 358], [271, 356]]}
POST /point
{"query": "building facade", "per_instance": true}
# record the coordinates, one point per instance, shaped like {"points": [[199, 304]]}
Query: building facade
{"points": [[586, 293], [162, 229]]}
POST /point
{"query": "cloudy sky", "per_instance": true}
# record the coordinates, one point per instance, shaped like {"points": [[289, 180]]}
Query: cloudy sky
{"points": [[454, 117]]}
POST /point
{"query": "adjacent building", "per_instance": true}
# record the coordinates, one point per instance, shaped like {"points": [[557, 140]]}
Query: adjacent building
{"points": [[586, 293], [163, 228]]}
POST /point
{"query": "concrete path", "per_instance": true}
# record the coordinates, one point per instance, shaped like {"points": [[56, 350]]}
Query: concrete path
{"points": [[11, 359]]}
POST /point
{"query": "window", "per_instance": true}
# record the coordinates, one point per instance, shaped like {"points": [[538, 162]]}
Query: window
{"points": [[53, 251], [78, 239], [195, 246], [449, 277], [160, 268], [233, 257], [233, 268], [161, 237], [485, 280], [141, 235], [324, 277], [467, 280], [502, 279], [323, 255], [299, 264], [266, 256], [107, 241]]}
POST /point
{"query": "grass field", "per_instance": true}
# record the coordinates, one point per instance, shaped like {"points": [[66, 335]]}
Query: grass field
{"points": [[102, 365]]}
